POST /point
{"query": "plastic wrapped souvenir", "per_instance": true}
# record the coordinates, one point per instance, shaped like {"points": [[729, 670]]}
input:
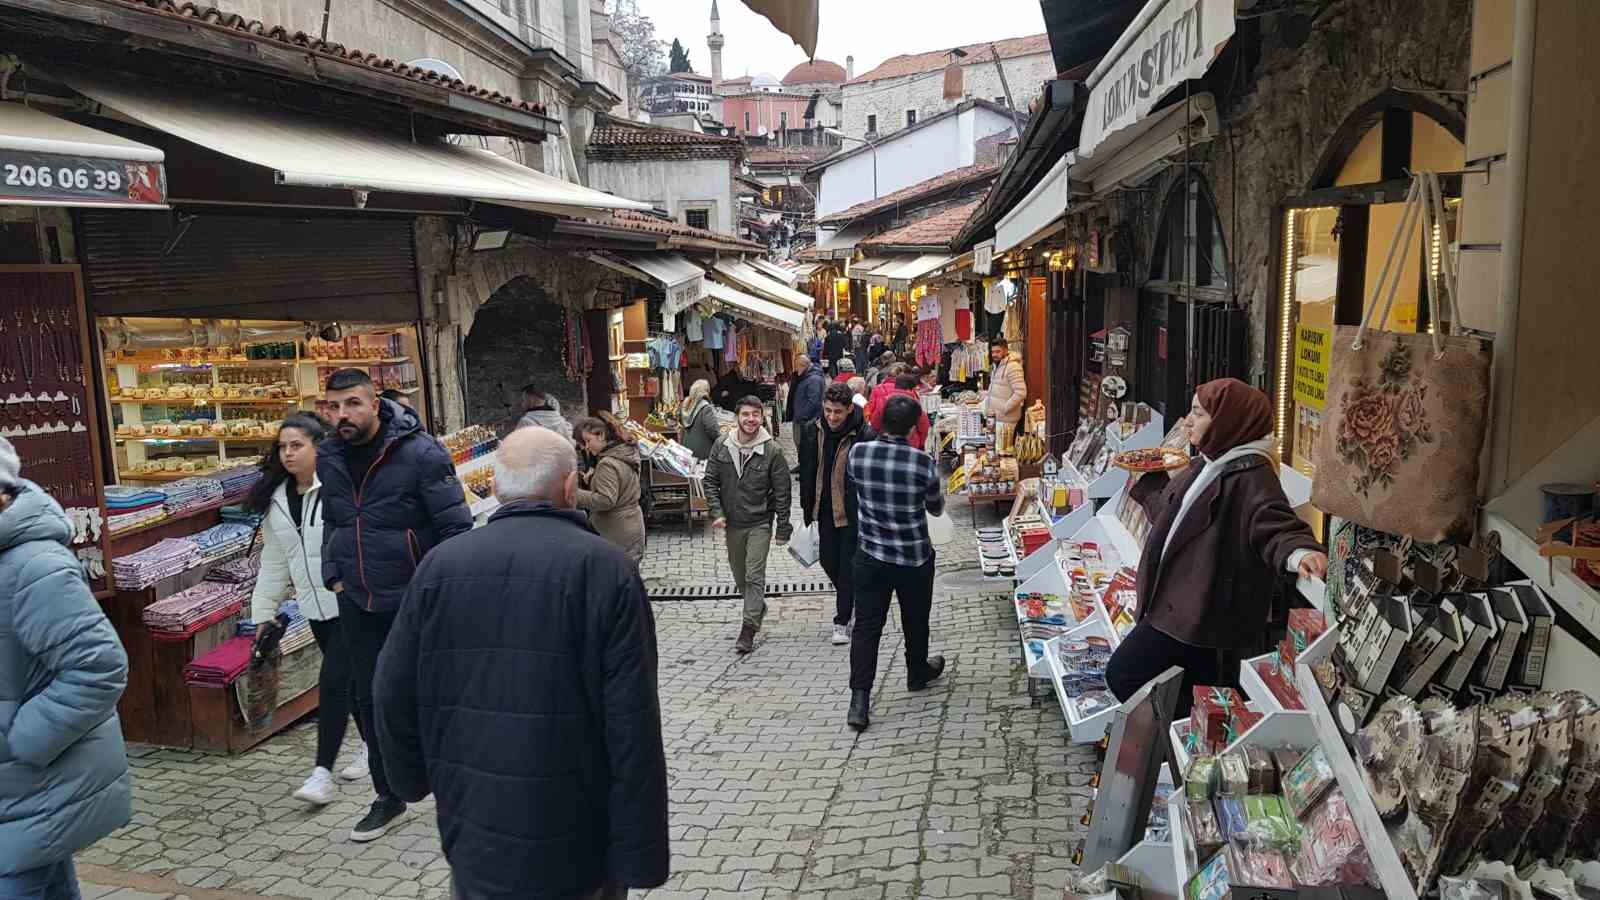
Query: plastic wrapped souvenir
{"points": [[1307, 781]]}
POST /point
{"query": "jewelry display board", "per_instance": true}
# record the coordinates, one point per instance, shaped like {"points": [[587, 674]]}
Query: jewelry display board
{"points": [[49, 413]]}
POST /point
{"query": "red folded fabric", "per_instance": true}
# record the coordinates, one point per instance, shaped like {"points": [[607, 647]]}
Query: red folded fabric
{"points": [[222, 665]]}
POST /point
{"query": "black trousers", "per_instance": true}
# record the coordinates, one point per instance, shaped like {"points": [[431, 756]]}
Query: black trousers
{"points": [[874, 582], [366, 632], [334, 686], [1147, 652], [838, 547]]}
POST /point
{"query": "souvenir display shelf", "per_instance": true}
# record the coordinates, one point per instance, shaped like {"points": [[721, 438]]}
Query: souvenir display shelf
{"points": [[205, 407], [473, 450]]}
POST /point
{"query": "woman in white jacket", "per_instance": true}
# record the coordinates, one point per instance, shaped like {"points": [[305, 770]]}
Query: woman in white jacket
{"points": [[289, 497]]}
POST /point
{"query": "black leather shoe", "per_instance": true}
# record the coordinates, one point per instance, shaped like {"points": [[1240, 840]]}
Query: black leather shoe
{"points": [[934, 670], [857, 717]]}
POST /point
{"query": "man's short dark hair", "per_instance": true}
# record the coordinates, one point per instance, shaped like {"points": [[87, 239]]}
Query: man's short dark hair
{"points": [[838, 393], [999, 342], [906, 381], [900, 415], [345, 379], [748, 400]]}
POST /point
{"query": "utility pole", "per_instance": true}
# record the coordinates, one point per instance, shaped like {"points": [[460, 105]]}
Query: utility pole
{"points": [[1016, 120]]}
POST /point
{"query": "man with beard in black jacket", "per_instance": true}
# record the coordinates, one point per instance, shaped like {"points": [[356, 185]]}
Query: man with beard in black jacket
{"points": [[519, 687], [822, 448]]}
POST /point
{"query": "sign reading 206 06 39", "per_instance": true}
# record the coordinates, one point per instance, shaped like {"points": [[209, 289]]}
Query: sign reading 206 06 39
{"points": [[49, 177]]}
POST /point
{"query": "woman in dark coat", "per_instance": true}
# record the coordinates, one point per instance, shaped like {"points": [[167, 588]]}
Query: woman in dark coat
{"points": [[699, 419], [1221, 534]]}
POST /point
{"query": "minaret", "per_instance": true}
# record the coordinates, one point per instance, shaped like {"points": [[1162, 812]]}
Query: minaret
{"points": [[714, 41]]}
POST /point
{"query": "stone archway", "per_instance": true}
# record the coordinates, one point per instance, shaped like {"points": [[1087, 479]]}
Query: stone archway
{"points": [[517, 337]]}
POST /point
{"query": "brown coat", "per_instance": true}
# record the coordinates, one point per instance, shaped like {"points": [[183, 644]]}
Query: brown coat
{"points": [[612, 499], [1214, 587]]}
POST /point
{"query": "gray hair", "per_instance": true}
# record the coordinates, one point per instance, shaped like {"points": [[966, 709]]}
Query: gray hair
{"points": [[700, 388], [533, 464]]}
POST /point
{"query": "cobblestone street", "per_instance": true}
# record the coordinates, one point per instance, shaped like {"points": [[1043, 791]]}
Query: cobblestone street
{"points": [[965, 790]]}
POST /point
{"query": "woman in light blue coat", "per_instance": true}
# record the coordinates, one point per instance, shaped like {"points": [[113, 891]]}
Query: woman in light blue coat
{"points": [[63, 768]]}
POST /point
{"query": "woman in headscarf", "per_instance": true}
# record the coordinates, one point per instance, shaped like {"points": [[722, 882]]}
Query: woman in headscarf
{"points": [[610, 489], [1221, 534], [699, 420]]}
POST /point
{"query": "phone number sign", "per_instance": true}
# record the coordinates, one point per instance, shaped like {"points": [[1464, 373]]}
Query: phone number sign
{"points": [[68, 179]]}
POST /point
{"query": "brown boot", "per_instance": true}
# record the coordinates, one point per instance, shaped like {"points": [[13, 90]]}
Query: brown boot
{"points": [[746, 641]]}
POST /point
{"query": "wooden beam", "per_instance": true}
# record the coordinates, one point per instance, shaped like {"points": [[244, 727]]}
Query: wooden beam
{"points": [[1372, 193]]}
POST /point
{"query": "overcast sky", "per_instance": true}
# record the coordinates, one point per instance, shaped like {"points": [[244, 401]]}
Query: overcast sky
{"points": [[872, 30]]}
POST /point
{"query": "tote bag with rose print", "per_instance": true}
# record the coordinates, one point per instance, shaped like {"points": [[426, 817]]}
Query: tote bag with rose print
{"points": [[1406, 413]]}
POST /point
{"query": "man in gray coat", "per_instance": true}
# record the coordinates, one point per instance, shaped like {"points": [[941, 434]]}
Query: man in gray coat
{"points": [[63, 768], [747, 487]]}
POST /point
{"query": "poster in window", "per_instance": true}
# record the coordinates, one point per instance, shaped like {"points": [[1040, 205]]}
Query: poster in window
{"points": [[1312, 348]]}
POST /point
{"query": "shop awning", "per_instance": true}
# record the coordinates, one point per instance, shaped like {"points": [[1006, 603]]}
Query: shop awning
{"points": [[49, 161], [779, 273], [763, 312], [327, 153], [1043, 205], [866, 266], [1168, 43], [1138, 152], [683, 281], [805, 270], [749, 279], [840, 244], [900, 275]]}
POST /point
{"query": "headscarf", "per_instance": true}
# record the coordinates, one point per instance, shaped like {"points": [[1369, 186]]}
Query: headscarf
{"points": [[1239, 414]]}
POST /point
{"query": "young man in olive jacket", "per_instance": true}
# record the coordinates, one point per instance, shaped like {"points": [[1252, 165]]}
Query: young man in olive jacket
{"points": [[748, 489]]}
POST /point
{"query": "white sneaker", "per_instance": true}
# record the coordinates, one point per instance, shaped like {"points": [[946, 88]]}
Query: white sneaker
{"points": [[841, 635], [319, 789], [357, 769]]}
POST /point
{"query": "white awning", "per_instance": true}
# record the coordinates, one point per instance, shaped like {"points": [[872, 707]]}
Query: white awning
{"points": [[1043, 205], [764, 312], [805, 270], [1169, 42], [898, 276], [840, 244], [328, 153], [1140, 151], [51, 161], [867, 265], [751, 280], [784, 276], [683, 281]]}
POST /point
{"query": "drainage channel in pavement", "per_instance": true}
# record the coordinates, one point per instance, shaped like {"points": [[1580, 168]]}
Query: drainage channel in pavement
{"points": [[725, 591]]}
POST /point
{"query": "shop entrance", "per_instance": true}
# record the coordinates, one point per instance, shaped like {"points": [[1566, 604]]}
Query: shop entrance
{"points": [[519, 338]]}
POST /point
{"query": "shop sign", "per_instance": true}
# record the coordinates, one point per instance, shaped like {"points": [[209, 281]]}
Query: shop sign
{"points": [[1174, 41], [1312, 349], [1092, 249], [65, 179], [683, 296], [983, 258]]}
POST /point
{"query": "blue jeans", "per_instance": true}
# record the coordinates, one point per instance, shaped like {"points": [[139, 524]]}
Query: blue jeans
{"points": [[57, 881]]}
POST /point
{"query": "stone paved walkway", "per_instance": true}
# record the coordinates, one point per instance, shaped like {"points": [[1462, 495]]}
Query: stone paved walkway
{"points": [[965, 790]]}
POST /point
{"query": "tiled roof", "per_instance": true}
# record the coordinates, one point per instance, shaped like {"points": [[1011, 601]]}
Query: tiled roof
{"points": [[938, 229], [773, 156], [948, 180], [623, 141], [934, 60], [194, 14], [630, 220]]}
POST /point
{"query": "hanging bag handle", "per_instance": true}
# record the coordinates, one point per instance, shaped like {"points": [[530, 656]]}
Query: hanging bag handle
{"points": [[1401, 242]]}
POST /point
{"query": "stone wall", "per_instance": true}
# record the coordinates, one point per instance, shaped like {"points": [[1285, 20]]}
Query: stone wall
{"points": [[889, 98], [1280, 123], [516, 339]]}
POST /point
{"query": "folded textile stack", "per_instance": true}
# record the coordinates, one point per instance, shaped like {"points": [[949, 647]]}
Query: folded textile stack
{"points": [[195, 609], [137, 571], [221, 666], [222, 541], [299, 633], [240, 571], [237, 481], [238, 513], [191, 494], [129, 507]]}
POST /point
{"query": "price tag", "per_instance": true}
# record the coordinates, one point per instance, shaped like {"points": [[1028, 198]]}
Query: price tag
{"points": [[49, 176]]}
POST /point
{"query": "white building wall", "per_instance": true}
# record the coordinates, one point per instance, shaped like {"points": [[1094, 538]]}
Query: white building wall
{"points": [[672, 184], [928, 152], [889, 98]]}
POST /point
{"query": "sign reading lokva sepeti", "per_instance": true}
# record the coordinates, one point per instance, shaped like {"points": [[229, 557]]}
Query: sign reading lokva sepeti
{"points": [[1170, 42]]}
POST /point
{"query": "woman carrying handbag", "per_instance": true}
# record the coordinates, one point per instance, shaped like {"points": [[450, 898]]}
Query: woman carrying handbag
{"points": [[289, 498]]}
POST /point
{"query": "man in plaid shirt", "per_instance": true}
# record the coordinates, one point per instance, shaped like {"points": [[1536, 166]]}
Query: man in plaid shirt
{"points": [[896, 487]]}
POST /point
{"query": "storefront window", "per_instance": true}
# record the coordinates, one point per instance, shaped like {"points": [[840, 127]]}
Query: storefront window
{"points": [[841, 297], [1189, 247], [1324, 284]]}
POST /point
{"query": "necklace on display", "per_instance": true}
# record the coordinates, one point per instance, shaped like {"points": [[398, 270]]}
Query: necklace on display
{"points": [[30, 368]]}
